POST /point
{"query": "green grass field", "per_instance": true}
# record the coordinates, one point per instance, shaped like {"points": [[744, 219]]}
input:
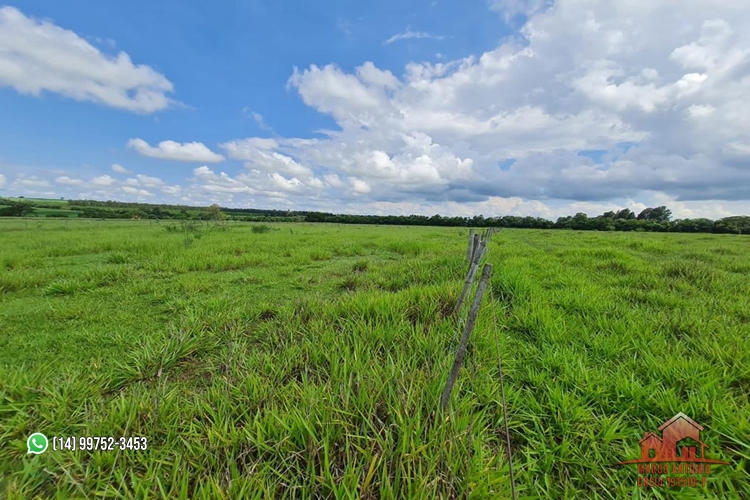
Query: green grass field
{"points": [[308, 361]]}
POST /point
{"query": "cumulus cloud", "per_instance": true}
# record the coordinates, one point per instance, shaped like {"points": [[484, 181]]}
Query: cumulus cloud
{"points": [[171, 150], [360, 186], [255, 186], [103, 180], [38, 56], [594, 102], [2, 180], [116, 167]]}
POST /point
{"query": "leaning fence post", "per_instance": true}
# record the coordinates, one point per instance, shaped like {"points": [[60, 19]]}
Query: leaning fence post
{"points": [[475, 246], [478, 252], [470, 250], [470, 321]]}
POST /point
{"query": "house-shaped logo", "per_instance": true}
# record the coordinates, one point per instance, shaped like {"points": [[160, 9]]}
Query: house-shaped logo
{"points": [[679, 442]]}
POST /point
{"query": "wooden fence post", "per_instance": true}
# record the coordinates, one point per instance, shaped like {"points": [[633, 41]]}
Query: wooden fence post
{"points": [[478, 252], [470, 251], [475, 247], [470, 322]]}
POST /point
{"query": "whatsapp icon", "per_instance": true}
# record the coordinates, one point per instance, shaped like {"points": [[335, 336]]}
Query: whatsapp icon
{"points": [[37, 443]]}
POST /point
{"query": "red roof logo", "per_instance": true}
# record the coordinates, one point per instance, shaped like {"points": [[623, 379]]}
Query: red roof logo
{"points": [[679, 442]]}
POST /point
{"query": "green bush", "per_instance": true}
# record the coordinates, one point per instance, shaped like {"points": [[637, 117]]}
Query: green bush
{"points": [[260, 228]]}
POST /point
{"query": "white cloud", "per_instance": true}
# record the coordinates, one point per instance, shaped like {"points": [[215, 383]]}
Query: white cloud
{"points": [[660, 96], [145, 180], [371, 75], [2, 180], [408, 34], [102, 180], [285, 184], [171, 190], [171, 150], [246, 148], [260, 121], [360, 186], [207, 180], [38, 56], [116, 167], [67, 181], [511, 8], [30, 181], [333, 180], [136, 191]]}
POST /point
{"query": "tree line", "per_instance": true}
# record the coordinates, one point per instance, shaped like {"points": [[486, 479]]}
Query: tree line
{"points": [[652, 219]]}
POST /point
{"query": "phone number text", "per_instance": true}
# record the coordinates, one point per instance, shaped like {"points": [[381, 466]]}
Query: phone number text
{"points": [[99, 443]]}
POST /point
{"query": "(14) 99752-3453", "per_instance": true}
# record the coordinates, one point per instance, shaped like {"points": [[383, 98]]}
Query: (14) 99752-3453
{"points": [[98, 443]]}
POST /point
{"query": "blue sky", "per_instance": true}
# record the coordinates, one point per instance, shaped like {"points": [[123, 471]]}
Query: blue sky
{"points": [[529, 107], [225, 64]]}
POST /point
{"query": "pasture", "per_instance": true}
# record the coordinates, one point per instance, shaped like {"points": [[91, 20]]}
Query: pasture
{"points": [[307, 361]]}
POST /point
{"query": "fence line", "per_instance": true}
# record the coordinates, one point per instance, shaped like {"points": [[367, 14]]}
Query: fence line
{"points": [[477, 249]]}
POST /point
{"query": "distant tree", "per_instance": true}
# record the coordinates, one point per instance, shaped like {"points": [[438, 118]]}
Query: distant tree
{"points": [[478, 221], [155, 212], [692, 226], [580, 221], [15, 209], [625, 214], [563, 222], [658, 214], [214, 212], [645, 214], [738, 224], [661, 214]]}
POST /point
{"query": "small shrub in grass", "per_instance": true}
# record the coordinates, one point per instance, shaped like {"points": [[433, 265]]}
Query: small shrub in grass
{"points": [[117, 258], [268, 314], [695, 273], [260, 228], [360, 266], [65, 287], [320, 255], [350, 284], [724, 251]]}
